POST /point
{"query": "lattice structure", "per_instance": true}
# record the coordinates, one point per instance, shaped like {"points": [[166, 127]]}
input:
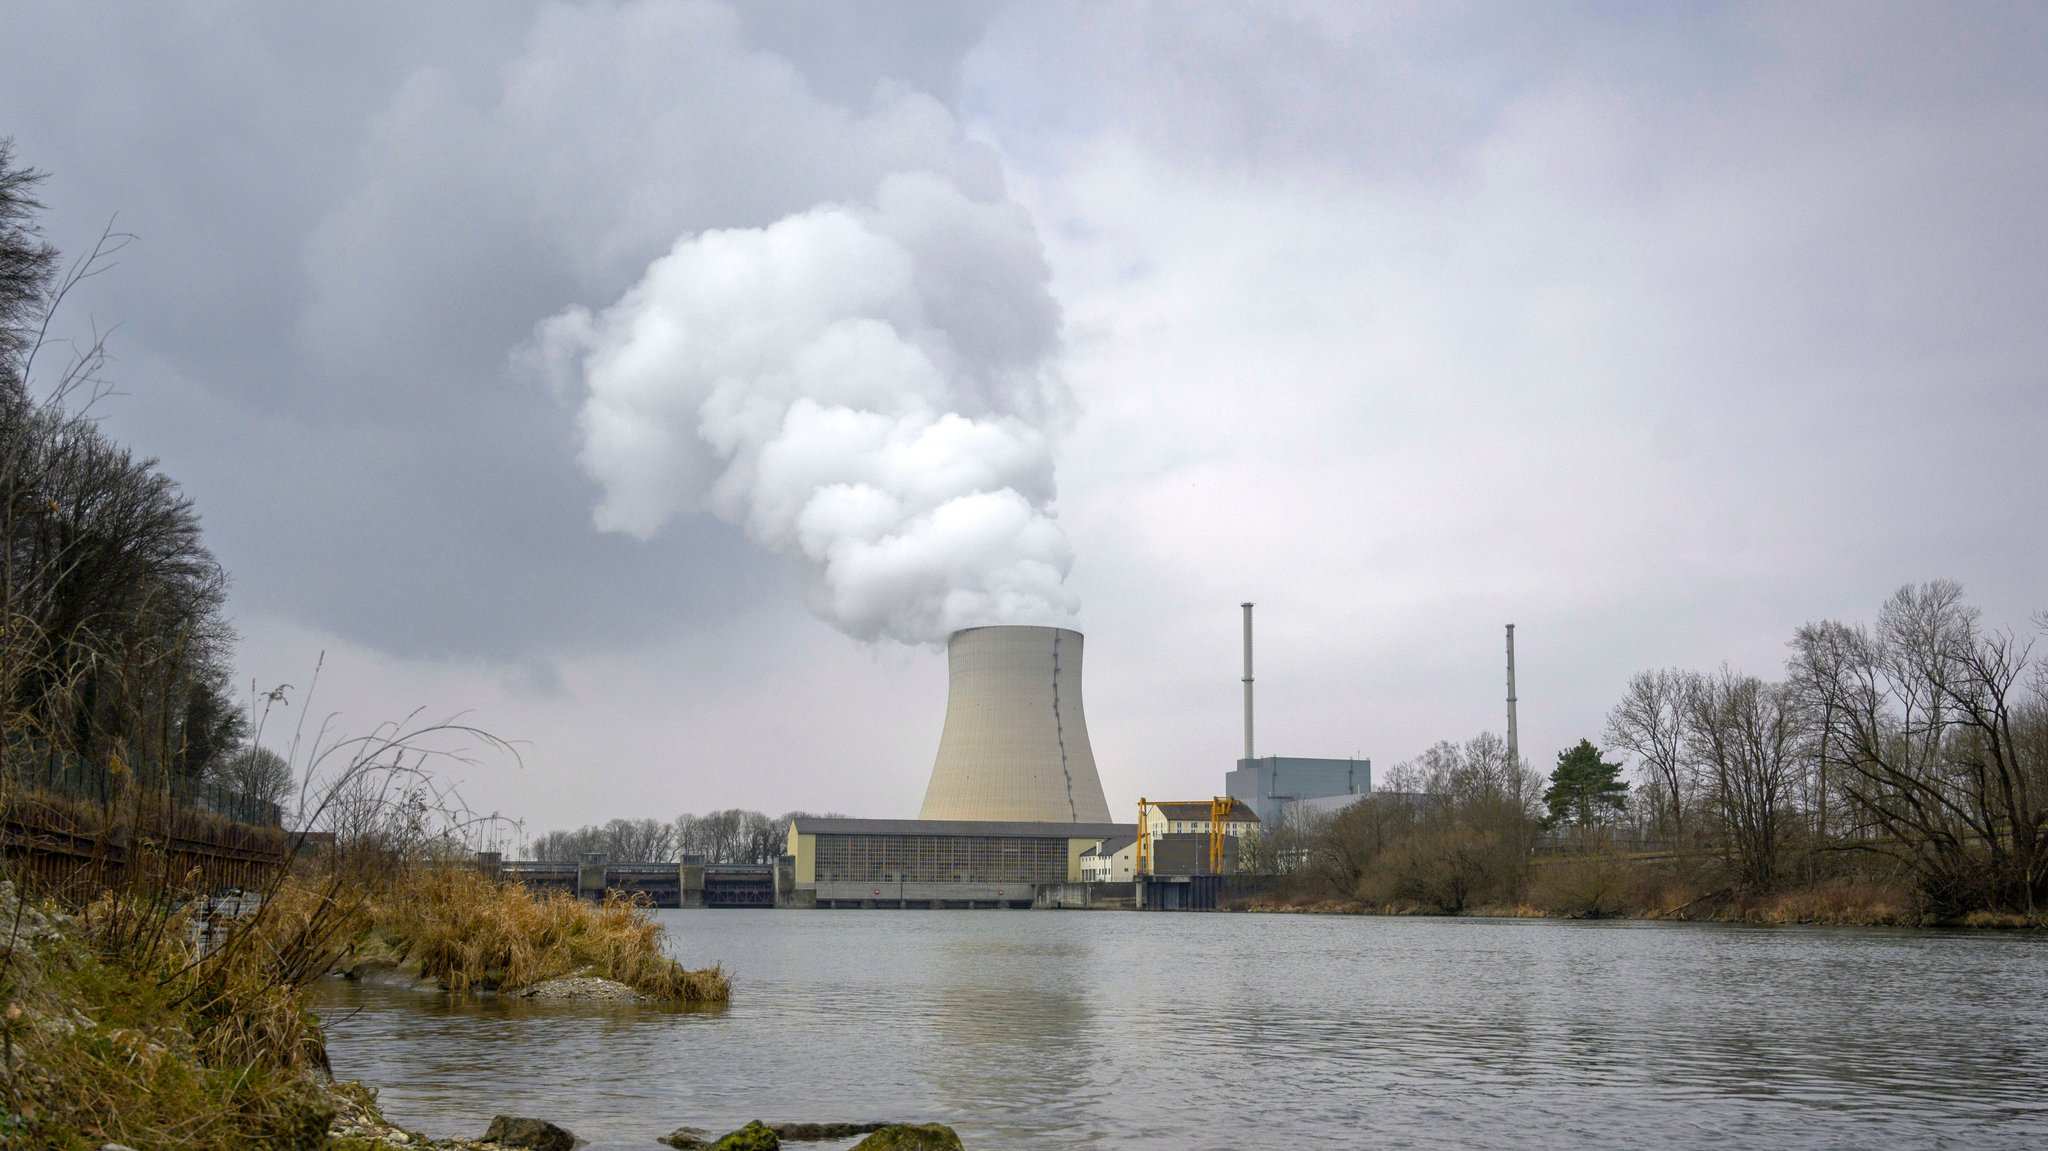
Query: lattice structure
{"points": [[941, 859]]}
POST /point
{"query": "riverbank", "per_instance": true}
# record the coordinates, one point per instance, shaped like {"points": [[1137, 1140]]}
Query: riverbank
{"points": [[126, 1023], [1831, 903], [360, 1126]]}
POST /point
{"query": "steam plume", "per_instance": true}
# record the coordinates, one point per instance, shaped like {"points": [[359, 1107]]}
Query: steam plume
{"points": [[863, 388]]}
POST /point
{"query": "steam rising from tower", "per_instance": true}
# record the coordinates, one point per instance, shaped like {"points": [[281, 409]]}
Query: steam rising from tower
{"points": [[863, 388], [1015, 745]]}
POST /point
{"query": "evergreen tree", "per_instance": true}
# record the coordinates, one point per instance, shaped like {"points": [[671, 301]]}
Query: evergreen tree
{"points": [[1584, 789]]}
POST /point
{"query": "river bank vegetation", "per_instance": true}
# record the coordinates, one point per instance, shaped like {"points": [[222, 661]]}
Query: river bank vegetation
{"points": [[465, 931], [173, 887], [1896, 773]]}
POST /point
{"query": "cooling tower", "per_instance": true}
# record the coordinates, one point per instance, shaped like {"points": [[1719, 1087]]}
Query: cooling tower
{"points": [[1015, 745]]}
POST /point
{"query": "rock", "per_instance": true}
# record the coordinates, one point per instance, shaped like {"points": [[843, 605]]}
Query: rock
{"points": [[687, 1137], [376, 973], [586, 989], [531, 1134], [755, 1136], [911, 1137], [808, 1132], [115, 1147]]}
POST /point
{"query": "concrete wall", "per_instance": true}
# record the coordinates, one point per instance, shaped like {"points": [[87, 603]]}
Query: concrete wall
{"points": [[803, 849], [1015, 744], [1189, 855], [904, 891], [1085, 896]]}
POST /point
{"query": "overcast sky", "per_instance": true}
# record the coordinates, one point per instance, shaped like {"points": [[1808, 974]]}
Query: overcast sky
{"points": [[1656, 330]]}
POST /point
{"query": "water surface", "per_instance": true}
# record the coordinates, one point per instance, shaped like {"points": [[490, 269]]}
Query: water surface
{"points": [[1103, 1029]]}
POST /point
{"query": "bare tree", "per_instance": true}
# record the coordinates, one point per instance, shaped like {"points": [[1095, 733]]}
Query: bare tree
{"points": [[1934, 729], [1454, 825], [1650, 724], [256, 772], [1742, 739], [27, 264], [111, 606]]}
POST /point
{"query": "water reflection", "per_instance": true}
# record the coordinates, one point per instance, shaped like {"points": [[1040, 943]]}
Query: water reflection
{"points": [[1018, 1047], [1099, 1030]]}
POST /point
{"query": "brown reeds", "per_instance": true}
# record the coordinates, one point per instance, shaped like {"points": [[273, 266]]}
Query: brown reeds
{"points": [[471, 932]]}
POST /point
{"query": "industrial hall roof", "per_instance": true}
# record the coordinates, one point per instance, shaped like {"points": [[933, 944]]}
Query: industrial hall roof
{"points": [[814, 825], [1111, 846], [1197, 811]]}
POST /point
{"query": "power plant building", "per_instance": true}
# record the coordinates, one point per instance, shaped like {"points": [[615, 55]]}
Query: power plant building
{"points": [[1274, 783], [1013, 801], [936, 863]]}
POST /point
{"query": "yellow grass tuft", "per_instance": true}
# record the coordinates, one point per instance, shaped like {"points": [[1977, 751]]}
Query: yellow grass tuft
{"points": [[1835, 901], [471, 932]]}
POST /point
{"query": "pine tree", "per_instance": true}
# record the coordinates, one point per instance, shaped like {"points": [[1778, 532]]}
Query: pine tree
{"points": [[1584, 789]]}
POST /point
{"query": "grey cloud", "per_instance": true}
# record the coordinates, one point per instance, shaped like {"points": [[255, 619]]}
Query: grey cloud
{"points": [[1660, 329], [347, 224]]}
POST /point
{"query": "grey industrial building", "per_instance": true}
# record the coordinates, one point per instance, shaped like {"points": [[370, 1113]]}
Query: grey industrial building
{"points": [[934, 862], [1271, 784]]}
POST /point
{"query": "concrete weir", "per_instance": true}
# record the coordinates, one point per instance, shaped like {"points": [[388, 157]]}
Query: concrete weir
{"points": [[691, 883]]}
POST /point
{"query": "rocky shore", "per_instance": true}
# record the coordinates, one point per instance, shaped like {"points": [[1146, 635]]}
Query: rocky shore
{"points": [[583, 988], [359, 1126]]}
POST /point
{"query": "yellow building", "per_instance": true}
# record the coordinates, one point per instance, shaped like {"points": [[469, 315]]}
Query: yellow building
{"points": [[1176, 832], [1172, 817]]}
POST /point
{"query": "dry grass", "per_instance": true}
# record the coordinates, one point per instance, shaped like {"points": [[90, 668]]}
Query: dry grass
{"points": [[150, 1050], [471, 932], [1834, 901], [1595, 888], [2006, 920]]}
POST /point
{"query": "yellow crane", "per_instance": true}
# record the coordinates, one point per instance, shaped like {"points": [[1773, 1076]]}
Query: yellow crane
{"points": [[1143, 866], [1219, 814]]}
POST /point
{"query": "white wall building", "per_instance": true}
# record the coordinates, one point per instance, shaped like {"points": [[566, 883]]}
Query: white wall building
{"points": [[1114, 860]]}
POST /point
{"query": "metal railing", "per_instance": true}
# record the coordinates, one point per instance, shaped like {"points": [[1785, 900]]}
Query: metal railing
{"points": [[28, 767]]}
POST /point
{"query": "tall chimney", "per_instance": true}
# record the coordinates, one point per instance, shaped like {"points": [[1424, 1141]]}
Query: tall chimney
{"points": [[1248, 681], [1514, 745]]}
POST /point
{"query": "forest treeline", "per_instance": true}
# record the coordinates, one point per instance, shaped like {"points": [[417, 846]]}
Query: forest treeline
{"points": [[1895, 771], [730, 836], [115, 649]]}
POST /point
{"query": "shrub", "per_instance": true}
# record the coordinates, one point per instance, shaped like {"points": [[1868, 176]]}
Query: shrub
{"points": [[148, 1049]]}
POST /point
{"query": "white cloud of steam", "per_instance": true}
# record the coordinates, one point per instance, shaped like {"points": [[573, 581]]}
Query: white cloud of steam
{"points": [[864, 388]]}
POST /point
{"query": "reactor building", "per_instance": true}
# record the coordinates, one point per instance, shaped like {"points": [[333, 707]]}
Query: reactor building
{"points": [[1286, 789], [1013, 801]]}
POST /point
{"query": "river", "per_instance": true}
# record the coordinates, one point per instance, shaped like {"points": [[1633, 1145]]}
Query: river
{"points": [[1102, 1029]]}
